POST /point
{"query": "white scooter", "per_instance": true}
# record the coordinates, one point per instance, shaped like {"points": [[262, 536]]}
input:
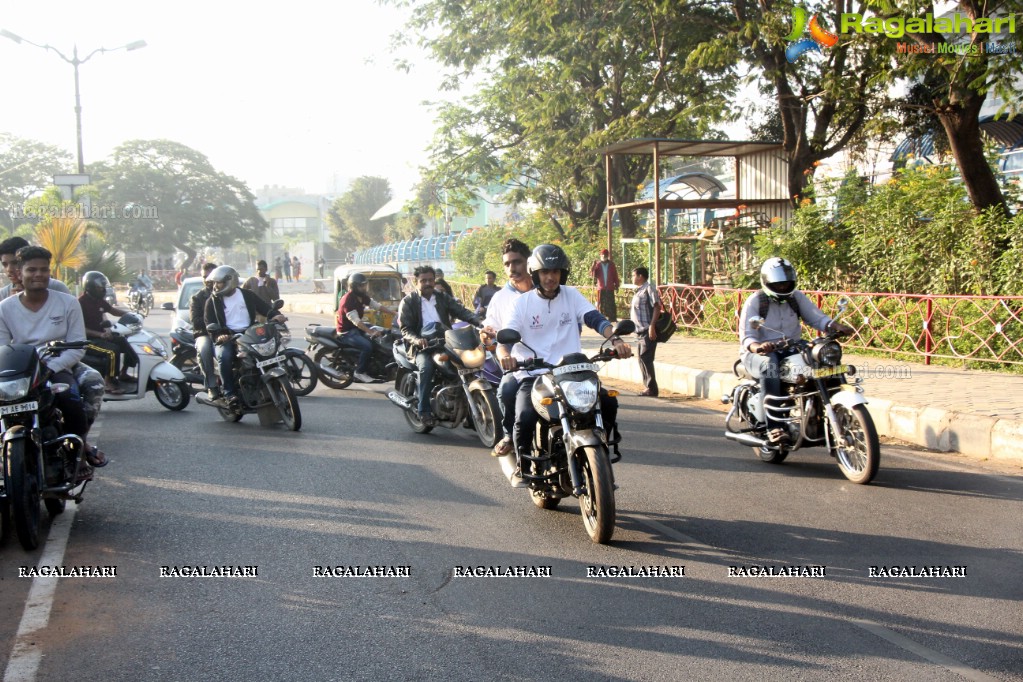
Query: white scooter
{"points": [[155, 373]]}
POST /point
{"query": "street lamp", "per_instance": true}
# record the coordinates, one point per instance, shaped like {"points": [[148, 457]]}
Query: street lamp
{"points": [[75, 61]]}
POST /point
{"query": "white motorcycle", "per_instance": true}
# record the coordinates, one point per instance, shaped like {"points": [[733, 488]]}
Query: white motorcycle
{"points": [[155, 373]]}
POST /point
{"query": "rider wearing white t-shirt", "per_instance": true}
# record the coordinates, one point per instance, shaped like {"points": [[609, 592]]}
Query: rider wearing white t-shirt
{"points": [[549, 320]]}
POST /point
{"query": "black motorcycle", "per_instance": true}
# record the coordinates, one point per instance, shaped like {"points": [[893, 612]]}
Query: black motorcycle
{"points": [[299, 366], [336, 360], [569, 455], [460, 394], [40, 460], [140, 300], [263, 386]]}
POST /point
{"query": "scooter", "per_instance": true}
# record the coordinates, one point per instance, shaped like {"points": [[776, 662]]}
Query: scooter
{"points": [[154, 372]]}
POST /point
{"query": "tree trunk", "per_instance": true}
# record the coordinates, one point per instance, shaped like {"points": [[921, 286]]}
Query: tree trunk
{"points": [[962, 128]]}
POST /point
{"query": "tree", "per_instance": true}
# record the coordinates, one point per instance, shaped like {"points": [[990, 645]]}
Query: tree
{"points": [[353, 210], [63, 238], [26, 168], [553, 83], [163, 195], [823, 101], [953, 86]]}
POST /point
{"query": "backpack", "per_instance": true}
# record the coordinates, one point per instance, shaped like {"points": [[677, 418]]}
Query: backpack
{"points": [[665, 327], [765, 303]]}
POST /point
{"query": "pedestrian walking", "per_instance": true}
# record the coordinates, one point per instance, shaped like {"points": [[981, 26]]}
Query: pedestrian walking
{"points": [[605, 277], [319, 264], [644, 311], [278, 271], [287, 267], [296, 268]]}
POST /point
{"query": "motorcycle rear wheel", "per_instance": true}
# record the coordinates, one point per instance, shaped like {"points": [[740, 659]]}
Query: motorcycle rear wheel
{"points": [[407, 388], [303, 373], [597, 503], [325, 358], [860, 462], [23, 494], [543, 500], [229, 415], [286, 402], [771, 455], [489, 431], [174, 395]]}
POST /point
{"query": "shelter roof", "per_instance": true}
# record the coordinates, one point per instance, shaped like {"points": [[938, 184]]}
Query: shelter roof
{"points": [[673, 147]]}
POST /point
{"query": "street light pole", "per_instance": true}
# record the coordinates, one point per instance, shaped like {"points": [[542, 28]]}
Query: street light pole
{"points": [[74, 61]]}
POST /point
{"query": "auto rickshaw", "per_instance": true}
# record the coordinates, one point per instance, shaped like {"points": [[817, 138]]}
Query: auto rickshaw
{"points": [[385, 287]]}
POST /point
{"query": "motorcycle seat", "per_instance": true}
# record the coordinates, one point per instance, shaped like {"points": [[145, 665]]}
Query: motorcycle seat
{"points": [[321, 331]]}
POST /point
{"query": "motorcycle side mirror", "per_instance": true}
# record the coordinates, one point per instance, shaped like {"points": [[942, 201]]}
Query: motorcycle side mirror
{"points": [[167, 306], [508, 336], [756, 322], [625, 327], [842, 304]]}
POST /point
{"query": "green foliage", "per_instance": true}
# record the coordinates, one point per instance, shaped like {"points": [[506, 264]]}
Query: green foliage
{"points": [[917, 233], [26, 167], [351, 215], [163, 195]]}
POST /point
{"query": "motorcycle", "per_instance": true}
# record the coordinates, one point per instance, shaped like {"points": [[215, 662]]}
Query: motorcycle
{"points": [[460, 393], [40, 460], [569, 455], [155, 373], [263, 384], [140, 300], [336, 361], [300, 368], [818, 406]]}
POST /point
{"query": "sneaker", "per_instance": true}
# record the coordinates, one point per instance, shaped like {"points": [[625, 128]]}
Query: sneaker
{"points": [[214, 393], [428, 419], [364, 378]]}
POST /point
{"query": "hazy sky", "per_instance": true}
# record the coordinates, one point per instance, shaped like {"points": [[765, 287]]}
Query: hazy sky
{"points": [[290, 93]]}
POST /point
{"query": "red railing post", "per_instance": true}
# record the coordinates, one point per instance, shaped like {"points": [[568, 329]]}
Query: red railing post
{"points": [[928, 338]]}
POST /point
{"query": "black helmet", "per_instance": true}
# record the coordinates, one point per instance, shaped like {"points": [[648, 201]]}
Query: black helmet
{"points": [[547, 257], [95, 284], [355, 279], [778, 278], [225, 275]]}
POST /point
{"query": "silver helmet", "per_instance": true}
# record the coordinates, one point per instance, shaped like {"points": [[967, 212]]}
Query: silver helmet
{"points": [[226, 277], [778, 278]]}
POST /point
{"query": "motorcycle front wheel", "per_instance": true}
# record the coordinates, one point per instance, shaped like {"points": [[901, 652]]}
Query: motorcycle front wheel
{"points": [[488, 428], [174, 395], [286, 402], [858, 462], [23, 494], [407, 388], [597, 503], [145, 304], [302, 372], [327, 360]]}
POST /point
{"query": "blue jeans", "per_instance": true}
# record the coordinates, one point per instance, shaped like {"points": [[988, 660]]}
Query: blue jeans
{"points": [[204, 353], [225, 357], [426, 368], [507, 389], [357, 339], [765, 368]]}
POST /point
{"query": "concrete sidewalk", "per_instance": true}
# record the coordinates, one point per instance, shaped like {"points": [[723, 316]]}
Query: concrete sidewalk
{"points": [[972, 412]]}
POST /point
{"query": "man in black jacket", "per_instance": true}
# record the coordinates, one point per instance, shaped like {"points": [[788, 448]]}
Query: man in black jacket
{"points": [[235, 310], [416, 311]]}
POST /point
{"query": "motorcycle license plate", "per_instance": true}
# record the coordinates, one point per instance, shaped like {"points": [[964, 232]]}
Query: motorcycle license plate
{"points": [[464, 370], [830, 371], [20, 407], [272, 361]]}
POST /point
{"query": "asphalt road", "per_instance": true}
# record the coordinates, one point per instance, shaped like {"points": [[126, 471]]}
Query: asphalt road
{"points": [[356, 488]]}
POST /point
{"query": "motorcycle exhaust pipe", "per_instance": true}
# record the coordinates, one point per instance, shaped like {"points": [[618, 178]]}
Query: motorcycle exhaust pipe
{"points": [[746, 439], [399, 400], [331, 372]]}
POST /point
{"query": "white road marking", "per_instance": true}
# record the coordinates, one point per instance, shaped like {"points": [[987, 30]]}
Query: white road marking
{"points": [[923, 652]]}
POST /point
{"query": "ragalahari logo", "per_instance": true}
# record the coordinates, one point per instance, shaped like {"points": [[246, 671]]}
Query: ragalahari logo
{"points": [[818, 36]]}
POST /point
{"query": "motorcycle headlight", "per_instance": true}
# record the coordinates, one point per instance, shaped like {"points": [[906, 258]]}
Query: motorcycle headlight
{"points": [[16, 389], [581, 395], [828, 354], [265, 348], [473, 357]]}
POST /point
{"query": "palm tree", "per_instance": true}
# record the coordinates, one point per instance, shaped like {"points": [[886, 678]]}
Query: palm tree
{"points": [[63, 238]]}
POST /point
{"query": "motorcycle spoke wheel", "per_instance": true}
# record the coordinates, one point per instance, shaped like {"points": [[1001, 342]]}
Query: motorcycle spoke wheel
{"points": [[229, 415], [860, 460], [23, 494], [597, 502], [302, 372], [326, 359], [771, 455], [174, 395], [488, 428], [407, 388], [286, 402]]}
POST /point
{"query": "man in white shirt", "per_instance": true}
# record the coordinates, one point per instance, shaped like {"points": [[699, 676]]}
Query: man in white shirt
{"points": [[9, 259], [502, 304], [549, 319]]}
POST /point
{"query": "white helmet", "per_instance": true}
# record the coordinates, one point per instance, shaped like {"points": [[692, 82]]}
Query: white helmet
{"points": [[778, 278]]}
